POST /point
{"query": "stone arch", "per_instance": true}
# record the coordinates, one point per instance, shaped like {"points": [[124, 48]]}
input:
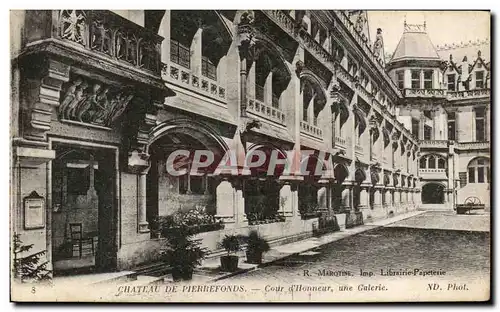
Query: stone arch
{"points": [[375, 177], [476, 158], [360, 119], [432, 161], [478, 170], [387, 137], [267, 148], [311, 163], [341, 172], [185, 134], [359, 175], [310, 76], [196, 129], [267, 58], [312, 88], [433, 193], [153, 19], [263, 44], [387, 179]]}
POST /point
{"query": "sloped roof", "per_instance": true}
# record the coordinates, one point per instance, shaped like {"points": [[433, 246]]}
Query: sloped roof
{"points": [[415, 45], [468, 49]]}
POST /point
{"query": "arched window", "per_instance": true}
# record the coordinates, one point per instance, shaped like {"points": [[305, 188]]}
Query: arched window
{"points": [[432, 162], [441, 163], [313, 101], [423, 162], [271, 74], [194, 32], [479, 170]]}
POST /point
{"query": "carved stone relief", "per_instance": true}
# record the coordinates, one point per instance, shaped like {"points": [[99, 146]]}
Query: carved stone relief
{"points": [[93, 102]]}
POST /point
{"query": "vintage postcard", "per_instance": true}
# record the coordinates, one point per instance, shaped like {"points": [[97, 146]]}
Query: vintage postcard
{"points": [[250, 155]]}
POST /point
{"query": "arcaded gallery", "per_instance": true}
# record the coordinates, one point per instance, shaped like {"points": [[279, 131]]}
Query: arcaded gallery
{"points": [[101, 99]]}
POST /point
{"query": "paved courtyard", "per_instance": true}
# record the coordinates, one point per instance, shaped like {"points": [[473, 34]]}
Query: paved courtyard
{"points": [[405, 245], [448, 220]]}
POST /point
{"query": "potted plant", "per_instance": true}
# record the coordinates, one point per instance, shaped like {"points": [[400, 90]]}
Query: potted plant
{"points": [[256, 246], [229, 262], [183, 253]]}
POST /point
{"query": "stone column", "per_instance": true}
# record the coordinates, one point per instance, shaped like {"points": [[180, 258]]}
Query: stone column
{"points": [[405, 199], [377, 197], [323, 198], [397, 199], [225, 202], [388, 200], [196, 53], [402, 203], [413, 199], [418, 197], [239, 203], [286, 200], [138, 164], [143, 225], [364, 200], [164, 31], [347, 197], [268, 89]]}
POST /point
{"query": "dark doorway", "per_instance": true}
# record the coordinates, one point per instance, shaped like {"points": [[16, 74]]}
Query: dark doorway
{"points": [[83, 210], [433, 193]]}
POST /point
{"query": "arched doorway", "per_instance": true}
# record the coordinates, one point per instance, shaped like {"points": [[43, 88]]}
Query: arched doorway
{"points": [[194, 186], [262, 190], [433, 193], [340, 173], [359, 177]]}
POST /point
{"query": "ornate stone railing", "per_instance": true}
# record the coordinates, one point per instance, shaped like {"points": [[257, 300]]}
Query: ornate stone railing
{"points": [[287, 23], [433, 144], [340, 142], [284, 20], [344, 75], [431, 170], [266, 111], [365, 46], [109, 34], [453, 95], [362, 90], [473, 145], [310, 129], [315, 48], [184, 78], [427, 93]]}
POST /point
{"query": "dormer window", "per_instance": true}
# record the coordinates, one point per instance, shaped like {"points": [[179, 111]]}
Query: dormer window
{"points": [[479, 79], [451, 82], [428, 79]]}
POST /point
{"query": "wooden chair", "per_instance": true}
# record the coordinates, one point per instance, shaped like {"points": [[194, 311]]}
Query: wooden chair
{"points": [[78, 239]]}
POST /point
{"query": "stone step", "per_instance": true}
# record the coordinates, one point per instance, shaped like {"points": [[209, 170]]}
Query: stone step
{"points": [[435, 207], [142, 280]]}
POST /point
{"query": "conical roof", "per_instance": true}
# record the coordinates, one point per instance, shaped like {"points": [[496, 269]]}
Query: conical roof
{"points": [[415, 44]]}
